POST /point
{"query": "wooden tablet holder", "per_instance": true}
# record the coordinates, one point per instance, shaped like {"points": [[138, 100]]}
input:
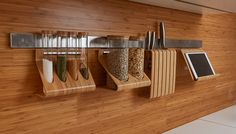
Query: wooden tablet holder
{"points": [[184, 51], [122, 85], [57, 87]]}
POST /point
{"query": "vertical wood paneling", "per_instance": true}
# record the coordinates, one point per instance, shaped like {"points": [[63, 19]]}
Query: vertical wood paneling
{"points": [[106, 111]]}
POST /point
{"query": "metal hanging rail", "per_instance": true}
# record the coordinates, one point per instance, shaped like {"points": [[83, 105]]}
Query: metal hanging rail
{"points": [[34, 41], [30, 40]]}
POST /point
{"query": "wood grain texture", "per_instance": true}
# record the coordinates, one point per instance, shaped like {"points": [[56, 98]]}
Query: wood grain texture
{"points": [[184, 51], [60, 88], [156, 67], [162, 72], [70, 86], [105, 111]]}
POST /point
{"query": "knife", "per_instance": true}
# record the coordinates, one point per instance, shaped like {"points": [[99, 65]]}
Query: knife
{"points": [[148, 40], [153, 40], [162, 40]]}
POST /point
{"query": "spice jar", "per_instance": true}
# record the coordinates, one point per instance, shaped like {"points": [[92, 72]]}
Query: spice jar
{"points": [[47, 60], [83, 59], [61, 55], [136, 58], [72, 59], [117, 59]]}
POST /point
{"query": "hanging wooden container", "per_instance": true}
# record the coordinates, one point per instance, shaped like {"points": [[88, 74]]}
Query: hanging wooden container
{"points": [[117, 80], [131, 83], [59, 87]]}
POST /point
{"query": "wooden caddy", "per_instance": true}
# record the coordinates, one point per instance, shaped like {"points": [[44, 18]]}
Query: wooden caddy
{"points": [[184, 51], [57, 87], [161, 68], [122, 85]]}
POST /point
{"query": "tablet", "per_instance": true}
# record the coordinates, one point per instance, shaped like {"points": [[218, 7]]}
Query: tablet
{"points": [[200, 64]]}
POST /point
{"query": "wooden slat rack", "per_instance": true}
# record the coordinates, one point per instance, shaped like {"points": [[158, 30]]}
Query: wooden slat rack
{"points": [[161, 69], [59, 88]]}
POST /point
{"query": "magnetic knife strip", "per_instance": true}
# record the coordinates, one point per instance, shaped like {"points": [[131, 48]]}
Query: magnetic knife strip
{"points": [[34, 41]]}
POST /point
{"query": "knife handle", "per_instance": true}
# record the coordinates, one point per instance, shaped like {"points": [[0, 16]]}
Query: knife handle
{"points": [[162, 35], [153, 40], [148, 40]]}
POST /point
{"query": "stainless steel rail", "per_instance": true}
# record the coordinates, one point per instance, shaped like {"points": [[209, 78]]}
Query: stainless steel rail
{"points": [[34, 41]]}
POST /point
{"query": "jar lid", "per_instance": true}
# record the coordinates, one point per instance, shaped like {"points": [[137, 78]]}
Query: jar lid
{"points": [[51, 32], [62, 33], [47, 32], [73, 34], [43, 32], [81, 34]]}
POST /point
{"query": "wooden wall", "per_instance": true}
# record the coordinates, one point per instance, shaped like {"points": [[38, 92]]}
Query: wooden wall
{"points": [[106, 111]]}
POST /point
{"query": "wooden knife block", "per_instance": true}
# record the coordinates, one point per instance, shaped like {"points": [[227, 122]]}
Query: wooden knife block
{"points": [[160, 65]]}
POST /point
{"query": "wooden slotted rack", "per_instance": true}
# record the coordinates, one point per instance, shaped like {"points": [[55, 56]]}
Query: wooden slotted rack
{"points": [[57, 87], [161, 69]]}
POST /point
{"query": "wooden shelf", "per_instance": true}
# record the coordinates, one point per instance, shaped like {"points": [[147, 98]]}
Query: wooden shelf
{"points": [[58, 88], [122, 85]]}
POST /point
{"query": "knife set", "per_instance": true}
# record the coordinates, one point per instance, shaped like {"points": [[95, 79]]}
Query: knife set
{"points": [[152, 42], [160, 64]]}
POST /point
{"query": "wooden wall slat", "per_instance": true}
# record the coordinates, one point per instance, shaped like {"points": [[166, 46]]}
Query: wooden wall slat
{"points": [[106, 111]]}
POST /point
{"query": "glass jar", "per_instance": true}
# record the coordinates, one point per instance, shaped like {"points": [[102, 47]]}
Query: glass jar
{"points": [[136, 57], [83, 59], [47, 60], [61, 55], [72, 58], [117, 59]]}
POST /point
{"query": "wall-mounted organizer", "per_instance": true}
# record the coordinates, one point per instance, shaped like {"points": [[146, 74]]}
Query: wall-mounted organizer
{"points": [[160, 62], [64, 70], [198, 63], [62, 62], [124, 66]]}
